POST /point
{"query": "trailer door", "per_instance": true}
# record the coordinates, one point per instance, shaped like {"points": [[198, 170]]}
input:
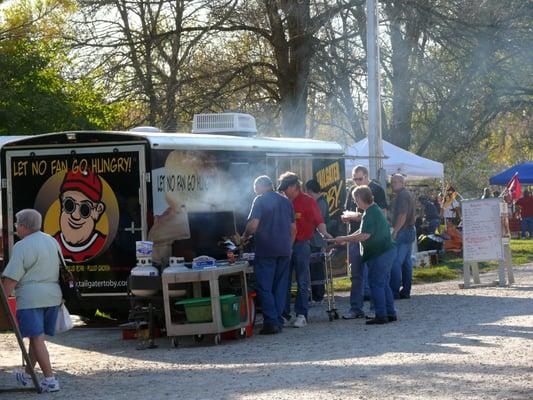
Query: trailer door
{"points": [[92, 200]]}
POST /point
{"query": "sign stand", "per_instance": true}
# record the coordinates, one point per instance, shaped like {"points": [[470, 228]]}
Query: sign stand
{"points": [[7, 323], [486, 237]]}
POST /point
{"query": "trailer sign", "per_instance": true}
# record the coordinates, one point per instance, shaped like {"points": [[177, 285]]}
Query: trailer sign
{"points": [[89, 201]]}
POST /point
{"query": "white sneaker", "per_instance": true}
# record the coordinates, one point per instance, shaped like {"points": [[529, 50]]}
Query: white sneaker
{"points": [[49, 385], [300, 322], [23, 378]]}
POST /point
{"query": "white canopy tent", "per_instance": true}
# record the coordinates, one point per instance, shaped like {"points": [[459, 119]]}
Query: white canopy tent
{"points": [[397, 160]]}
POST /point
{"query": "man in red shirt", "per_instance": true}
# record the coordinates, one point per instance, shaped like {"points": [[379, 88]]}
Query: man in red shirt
{"points": [[308, 218], [526, 211]]}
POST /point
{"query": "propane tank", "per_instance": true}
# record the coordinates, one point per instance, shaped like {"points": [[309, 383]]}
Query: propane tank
{"points": [[175, 265], [144, 267]]}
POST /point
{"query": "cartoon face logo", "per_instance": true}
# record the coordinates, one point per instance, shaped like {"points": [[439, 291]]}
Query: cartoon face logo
{"points": [[81, 208]]}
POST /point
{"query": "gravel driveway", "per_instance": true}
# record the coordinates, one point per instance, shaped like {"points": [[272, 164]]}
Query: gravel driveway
{"points": [[448, 344]]}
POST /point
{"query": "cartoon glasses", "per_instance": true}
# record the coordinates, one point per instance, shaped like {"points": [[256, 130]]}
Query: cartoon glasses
{"points": [[69, 206]]}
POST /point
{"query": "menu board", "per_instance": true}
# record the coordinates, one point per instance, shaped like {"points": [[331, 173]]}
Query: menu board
{"points": [[482, 230]]}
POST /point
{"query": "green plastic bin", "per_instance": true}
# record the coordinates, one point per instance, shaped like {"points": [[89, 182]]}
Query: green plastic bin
{"points": [[197, 310], [230, 306]]}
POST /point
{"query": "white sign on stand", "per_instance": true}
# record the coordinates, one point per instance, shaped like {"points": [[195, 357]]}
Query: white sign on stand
{"points": [[485, 238], [482, 230]]}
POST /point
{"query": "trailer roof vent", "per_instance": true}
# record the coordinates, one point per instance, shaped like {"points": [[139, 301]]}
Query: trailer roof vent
{"points": [[228, 123]]}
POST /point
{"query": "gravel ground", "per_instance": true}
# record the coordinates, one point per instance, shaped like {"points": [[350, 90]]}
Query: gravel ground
{"points": [[448, 344]]}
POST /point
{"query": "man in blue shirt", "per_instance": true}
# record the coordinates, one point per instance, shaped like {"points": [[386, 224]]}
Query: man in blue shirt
{"points": [[272, 223]]}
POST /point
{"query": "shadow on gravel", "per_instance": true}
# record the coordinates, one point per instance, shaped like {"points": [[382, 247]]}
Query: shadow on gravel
{"points": [[298, 358], [409, 380], [427, 324]]}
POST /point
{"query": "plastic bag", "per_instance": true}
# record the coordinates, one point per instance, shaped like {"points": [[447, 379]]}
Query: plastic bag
{"points": [[63, 322]]}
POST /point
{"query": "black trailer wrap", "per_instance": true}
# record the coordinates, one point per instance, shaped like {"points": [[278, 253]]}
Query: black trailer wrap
{"points": [[89, 199]]}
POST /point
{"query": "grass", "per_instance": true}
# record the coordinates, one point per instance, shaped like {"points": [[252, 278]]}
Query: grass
{"points": [[450, 266], [342, 284]]}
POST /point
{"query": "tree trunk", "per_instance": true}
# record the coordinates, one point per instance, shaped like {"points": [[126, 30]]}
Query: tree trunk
{"points": [[402, 99], [293, 50]]}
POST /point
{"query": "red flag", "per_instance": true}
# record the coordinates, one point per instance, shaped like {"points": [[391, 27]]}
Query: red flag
{"points": [[514, 188]]}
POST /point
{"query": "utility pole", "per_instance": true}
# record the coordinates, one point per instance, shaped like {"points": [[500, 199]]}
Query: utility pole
{"points": [[375, 147]]}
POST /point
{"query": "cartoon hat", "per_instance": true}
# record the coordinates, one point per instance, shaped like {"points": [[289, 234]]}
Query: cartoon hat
{"points": [[85, 182]]}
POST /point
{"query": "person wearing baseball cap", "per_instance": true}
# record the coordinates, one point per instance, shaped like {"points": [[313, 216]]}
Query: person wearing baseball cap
{"points": [[81, 208], [308, 219]]}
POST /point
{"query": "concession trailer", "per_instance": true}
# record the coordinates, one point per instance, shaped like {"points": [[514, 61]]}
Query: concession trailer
{"points": [[101, 192]]}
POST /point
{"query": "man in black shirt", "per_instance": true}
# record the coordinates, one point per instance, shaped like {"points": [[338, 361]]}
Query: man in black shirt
{"points": [[352, 216], [431, 214]]}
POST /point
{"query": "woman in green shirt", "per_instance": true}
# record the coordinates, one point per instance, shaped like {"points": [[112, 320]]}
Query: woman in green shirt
{"points": [[377, 250]]}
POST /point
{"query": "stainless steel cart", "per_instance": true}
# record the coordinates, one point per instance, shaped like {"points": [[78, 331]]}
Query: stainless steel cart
{"points": [[330, 290]]}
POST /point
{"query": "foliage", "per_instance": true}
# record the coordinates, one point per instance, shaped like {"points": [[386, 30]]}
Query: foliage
{"points": [[148, 53], [456, 75], [35, 96], [450, 266], [434, 274]]}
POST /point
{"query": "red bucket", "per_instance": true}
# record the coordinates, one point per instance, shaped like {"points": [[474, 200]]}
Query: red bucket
{"points": [[251, 314], [12, 302]]}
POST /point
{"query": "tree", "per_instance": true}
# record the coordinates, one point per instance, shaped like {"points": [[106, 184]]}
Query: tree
{"points": [[476, 67], [35, 97], [146, 50], [289, 28]]}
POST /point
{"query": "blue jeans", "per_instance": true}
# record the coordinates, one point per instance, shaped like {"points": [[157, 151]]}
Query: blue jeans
{"points": [[527, 224], [359, 279], [378, 278], [402, 266], [301, 252], [272, 275]]}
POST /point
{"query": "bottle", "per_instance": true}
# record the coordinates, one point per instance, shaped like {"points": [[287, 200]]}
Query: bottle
{"points": [[231, 257]]}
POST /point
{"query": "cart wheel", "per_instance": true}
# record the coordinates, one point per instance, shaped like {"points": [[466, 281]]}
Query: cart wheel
{"points": [[218, 339], [336, 315], [242, 333], [174, 341], [198, 338], [330, 317]]}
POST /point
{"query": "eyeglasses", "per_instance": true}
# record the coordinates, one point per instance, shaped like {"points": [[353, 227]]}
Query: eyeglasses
{"points": [[69, 206]]}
